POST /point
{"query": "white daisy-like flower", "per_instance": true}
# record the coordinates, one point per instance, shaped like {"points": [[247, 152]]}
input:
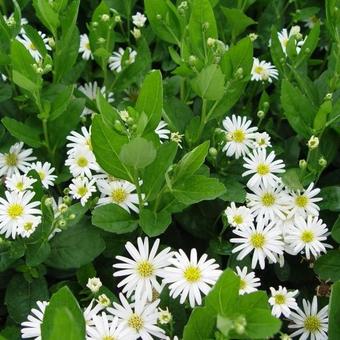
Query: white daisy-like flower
{"points": [[264, 240], [239, 135], [262, 168], [139, 318], [269, 202], [190, 277], [79, 140], [239, 217], [248, 281], [282, 301], [302, 202], [311, 21], [262, 140], [82, 188], [105, 328], [27, 227], [308, 235], [143, 269], [309, 322], [162, 131], [122, 58], [19, 182], [91, 311], [90, 90], [139, 19], [15, 210], [82, 162], [45, 172], [85, 47], [119, 192], [284, 37], [263, 71], [26, 41], [31, 327], [17, 159]]}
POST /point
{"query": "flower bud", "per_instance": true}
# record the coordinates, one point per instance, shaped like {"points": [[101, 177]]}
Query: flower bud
{"points": [[265, 105], [104, 300], [322, 162], [328, 96], [240, 324], [117, 19], [313, 142], [136, 33], [192, 60], [94, 284], [211, 42], [164, 316], [72, 217], [213, 152], [158, 17], [62, 223], [302, 164], [67, 199], [260, 114], [239, 73], [51, 42], [101, 40], [205, 26], [105, 17], [95, 24], [252, 36], [63, 208], [66, 191], [48, 201]]}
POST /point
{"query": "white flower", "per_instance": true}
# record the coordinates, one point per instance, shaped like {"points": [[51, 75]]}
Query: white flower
{"points": [[265, 241], [262, 168], [268, 202], [119, 192], [94, 284], [282, 301], [189, 277], [162, 131], [104, 300], [15, 210], [302, 203], [79, 140], [139, 20], [311, 21], [139, 318], [82, 188], [263, 71], [28, 225], [164, 316], [313, 142], [15, 160], [308, 236], [248, 281], [25, 40], [45, 172], [85, 47], [19, 182], [82, 162], [143, 269], [239, 135], [309, 322], [239, 217], [91, 311], [284, 38], [262, 140], [105, 328], [136, 33], [31, 327], [90, 90], [122, 58]]}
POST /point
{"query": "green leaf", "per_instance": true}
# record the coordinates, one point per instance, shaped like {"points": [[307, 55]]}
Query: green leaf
{"points": [[5, 92], [47, 15], [113, 218], [150, 99], [22, 132], [154, 223], [235, 191], [336, 230], [321, 117], [138, 153], [61, 102], [202, 25], [22, 295], [330, 198], [291, 178], [334, 312], [276, 51], [328, 266], [209, 83], [37, 253], [107, 144], [197, 188], [63, 314], [74, 247]]}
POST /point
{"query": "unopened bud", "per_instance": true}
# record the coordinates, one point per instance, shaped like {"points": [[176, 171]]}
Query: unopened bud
{"points": [[104, 300], [302, 164], [328, 96], [105, 17], [61, 223], [322, 162], [72, 217], [211, 41], [51, 42], [313, 142], [117, 19], [67, 199], [260, 114], [101, 40], [48, 201], [63, 208], [118, 125], [252, 36], [307, 50], [136, 33], [240, 324], [164, 316], [213, 152], [205, 26], [158, 17], [192, 60], [239, 73], [95, 24], [48, 68], [94, 284], [265, 105], [40, 70], [66, 191], [298, 36]]}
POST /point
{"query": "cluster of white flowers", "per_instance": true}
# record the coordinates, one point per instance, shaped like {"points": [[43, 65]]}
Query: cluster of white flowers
{"points": [[19, 212]]}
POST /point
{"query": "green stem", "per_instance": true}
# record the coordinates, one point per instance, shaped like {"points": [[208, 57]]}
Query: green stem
{"points": [[138, 189]]}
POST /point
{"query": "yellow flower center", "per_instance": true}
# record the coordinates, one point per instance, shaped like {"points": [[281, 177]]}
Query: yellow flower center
{"points": [[261, 141], [28, 226], [136, 322], [192, 274], [108, 337], [15, 210], [32, 47], [87, 46], [301, 201], [307, 236], [82, 162], [259, 69], [238, 136], [42, 175], [243, 284], [280, 299], [11, 159], [88, 143], [82, 191], [312, 323], [238, 219], [257, 240], [20, 185], [119, 195], [263, 169], [145, 268], [268, 199]]}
